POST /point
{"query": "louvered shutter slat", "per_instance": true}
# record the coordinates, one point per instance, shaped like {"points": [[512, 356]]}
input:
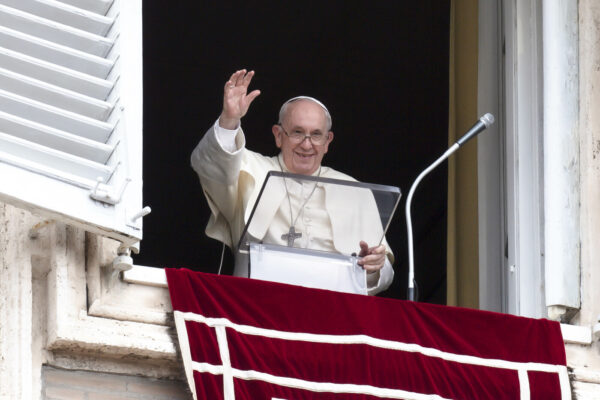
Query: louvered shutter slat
{"points": [[55, 32], [50, 94], [46, 157], [65, 14], [55, 53], [55, 74], [98, 6], [55, 139], [55, 117]]}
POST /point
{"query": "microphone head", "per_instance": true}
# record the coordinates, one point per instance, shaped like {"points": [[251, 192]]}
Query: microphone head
{"points": [[487, 119]]}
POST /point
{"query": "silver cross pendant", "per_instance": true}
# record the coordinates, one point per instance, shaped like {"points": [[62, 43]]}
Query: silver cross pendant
{"points": [[291, 236]]}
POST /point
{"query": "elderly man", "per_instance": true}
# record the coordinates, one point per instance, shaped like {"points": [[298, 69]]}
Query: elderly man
{"points": [[232, 175]]}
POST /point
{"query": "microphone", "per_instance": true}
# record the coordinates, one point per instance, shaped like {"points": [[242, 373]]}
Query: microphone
{"points": [[484, 122]]}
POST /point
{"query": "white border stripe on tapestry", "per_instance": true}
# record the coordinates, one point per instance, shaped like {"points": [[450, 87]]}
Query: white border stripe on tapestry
{"points": [[323, 387], [228, 390], [524, 385], [184, 346], [375, 342], [565, 385]]}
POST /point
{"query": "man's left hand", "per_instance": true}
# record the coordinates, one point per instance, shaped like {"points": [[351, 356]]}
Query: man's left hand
{"points": [[373, 258]]}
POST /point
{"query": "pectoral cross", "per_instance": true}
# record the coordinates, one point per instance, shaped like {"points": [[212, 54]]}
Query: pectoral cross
{"points": [[291, 236]]}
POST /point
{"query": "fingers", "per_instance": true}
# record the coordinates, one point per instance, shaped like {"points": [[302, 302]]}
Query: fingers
{"points": [[373, 262], [373, 258], [378, 250], [246, 79], [364, 248], [230, 84], [235, 98], [233, 76], [254, 94], [237, 86], [231, 80], [239, 78]]}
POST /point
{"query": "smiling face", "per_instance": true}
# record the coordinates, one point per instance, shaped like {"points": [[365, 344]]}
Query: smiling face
{"points": [[306, 117]]}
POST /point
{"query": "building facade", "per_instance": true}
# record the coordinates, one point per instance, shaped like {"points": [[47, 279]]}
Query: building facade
{"points": [[74, 326]]}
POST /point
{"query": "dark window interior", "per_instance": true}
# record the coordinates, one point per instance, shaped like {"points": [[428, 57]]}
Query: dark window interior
{"points": [[381, 67]]}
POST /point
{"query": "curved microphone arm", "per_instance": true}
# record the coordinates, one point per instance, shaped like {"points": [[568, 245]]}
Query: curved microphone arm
{"points": [[483, 123], [411, 261]]}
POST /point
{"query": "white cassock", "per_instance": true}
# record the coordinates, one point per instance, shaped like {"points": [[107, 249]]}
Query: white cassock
{"points": [[231, 178]]}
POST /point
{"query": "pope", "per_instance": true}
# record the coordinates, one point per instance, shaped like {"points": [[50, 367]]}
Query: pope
{"points": [[231, 176]]}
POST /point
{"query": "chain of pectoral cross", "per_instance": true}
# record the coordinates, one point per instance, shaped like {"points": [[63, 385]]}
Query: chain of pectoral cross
{"points": [[292, 235]]}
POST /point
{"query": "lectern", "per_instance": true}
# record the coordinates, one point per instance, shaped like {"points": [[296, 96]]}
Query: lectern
{"points": [[306, 230]]}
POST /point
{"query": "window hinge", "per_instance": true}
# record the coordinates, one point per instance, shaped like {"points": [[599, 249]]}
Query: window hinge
{"points": [[108, 196]]}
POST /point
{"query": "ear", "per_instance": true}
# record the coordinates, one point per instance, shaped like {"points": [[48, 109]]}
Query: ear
{"points": [[329, 140], [276, 129]]}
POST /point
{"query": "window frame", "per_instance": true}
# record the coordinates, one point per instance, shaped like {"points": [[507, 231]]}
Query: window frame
{"points": [[512, 210]]}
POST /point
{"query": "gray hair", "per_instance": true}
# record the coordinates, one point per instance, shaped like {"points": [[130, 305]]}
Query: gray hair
{"points": [[284, 107]]}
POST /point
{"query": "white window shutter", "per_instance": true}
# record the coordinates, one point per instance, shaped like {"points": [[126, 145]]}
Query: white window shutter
{"points": [[71, 111]]}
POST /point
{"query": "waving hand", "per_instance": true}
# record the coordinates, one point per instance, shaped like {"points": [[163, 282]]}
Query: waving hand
{"points": [[236, 99]]}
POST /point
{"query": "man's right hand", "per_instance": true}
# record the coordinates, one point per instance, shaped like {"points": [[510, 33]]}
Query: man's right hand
{"points": [[236, 99]]}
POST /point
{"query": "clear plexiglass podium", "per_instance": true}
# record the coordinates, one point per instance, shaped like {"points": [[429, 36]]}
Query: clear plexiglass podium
{"points": [[306, 230]]}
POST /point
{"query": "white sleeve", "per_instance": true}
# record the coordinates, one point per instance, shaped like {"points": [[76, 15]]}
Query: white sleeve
{"points": [[226, 138], [213, 162], [380, 280]]}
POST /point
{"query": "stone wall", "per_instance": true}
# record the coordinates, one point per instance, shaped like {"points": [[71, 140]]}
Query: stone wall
{"points": [[60, 384], [585, 360], [64, 309]]}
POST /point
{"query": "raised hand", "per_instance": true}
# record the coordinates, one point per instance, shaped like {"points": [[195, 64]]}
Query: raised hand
{"points": [[236, 99]]}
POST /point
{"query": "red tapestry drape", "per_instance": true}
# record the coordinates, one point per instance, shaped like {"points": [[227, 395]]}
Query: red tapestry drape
{"points": [[250, 339]]}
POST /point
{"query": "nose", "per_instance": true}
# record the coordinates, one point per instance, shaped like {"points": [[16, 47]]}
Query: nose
{"points": [[306, 143]]}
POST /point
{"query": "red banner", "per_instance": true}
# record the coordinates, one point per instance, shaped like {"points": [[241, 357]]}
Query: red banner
{"points": [[250, 339]]}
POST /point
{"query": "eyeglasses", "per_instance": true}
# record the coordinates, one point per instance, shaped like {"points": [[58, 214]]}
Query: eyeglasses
{"points": [[317, 138]]}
